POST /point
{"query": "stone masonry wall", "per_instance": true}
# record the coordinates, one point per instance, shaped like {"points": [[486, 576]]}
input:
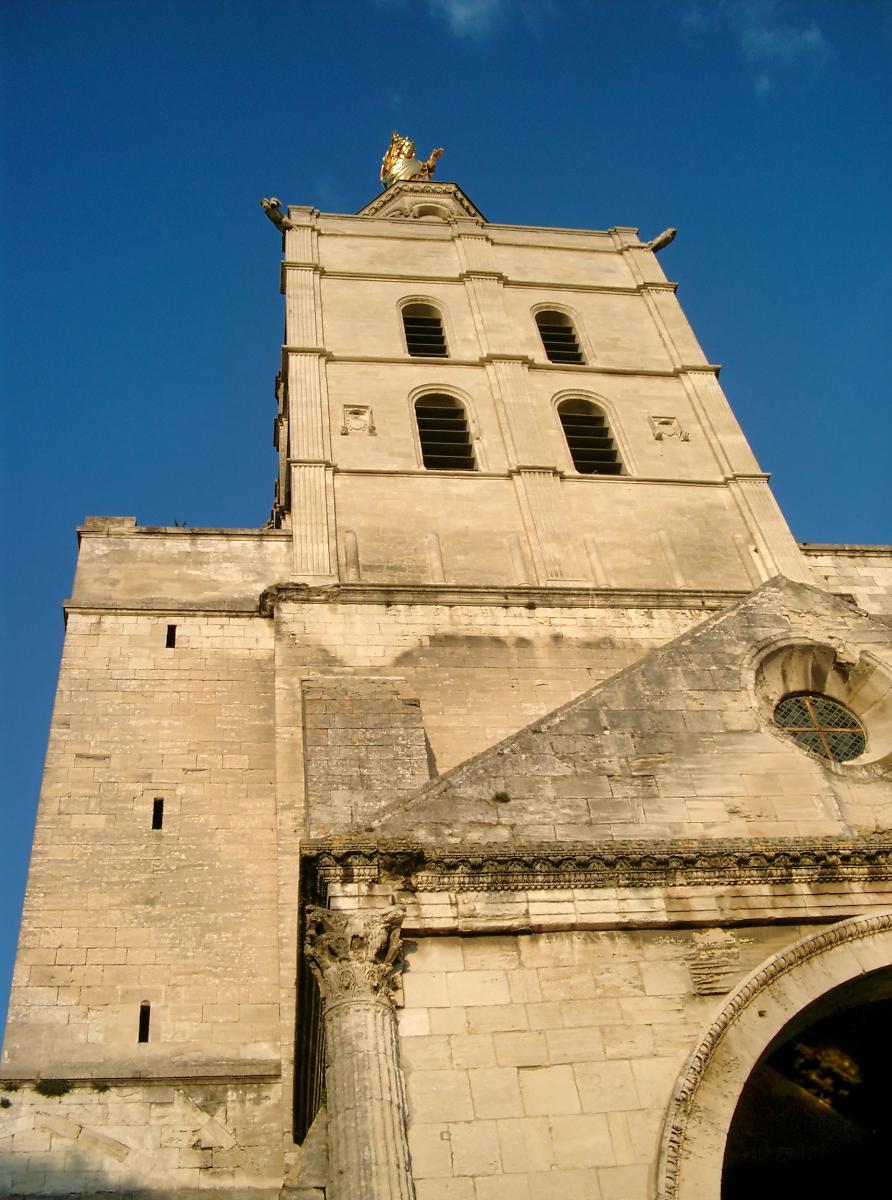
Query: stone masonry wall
{"points": [[539, 1067], [681, 745], [180, 1139], [864, 572], [480, 671], [118, 913]]}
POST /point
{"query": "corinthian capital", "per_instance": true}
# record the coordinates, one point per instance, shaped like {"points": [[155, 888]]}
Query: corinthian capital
{"points": [[353, 955]]}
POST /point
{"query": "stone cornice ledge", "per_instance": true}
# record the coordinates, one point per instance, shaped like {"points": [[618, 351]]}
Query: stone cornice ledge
{"points": [[498, 597], [226, 1071], [415, 867]]}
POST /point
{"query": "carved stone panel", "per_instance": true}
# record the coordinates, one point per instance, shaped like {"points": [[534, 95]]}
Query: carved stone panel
{"points": [[358, 419], [668, 427]]}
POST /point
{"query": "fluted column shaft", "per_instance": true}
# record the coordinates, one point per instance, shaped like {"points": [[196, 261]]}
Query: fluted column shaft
{"points": [[354, 958]]}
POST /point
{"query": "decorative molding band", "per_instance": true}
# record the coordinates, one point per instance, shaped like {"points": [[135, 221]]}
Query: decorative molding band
{"points": [[508, 597], [692, 1075], [633, 864], [853, 550], [563, 368], [152, 608], [320, 350], [247, 1071], [178, 531], [566, 476]]}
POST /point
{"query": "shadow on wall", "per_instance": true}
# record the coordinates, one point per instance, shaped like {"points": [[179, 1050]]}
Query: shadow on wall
{"points": [[70, 1173], [67, 1172]]}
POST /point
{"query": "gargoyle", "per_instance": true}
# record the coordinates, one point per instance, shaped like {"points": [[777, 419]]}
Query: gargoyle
{"points": [[662, 240], [272, 206]]}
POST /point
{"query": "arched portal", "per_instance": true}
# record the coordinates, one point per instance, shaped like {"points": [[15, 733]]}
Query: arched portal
{"points": [[815, 1113], [766, 1081]]}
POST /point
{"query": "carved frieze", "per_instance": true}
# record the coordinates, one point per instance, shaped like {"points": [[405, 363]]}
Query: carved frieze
{"points": [[354, 956], [718, 863]]}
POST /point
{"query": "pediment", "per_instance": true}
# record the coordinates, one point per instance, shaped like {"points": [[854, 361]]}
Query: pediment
{"points": [[413, 199], [683, 742]]}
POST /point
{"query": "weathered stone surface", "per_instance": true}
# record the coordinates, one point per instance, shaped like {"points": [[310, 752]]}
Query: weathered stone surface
{"points": [[578, 899]]}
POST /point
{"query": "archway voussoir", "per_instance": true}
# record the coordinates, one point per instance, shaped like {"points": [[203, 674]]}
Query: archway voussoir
{"points": [[707, 1092]]}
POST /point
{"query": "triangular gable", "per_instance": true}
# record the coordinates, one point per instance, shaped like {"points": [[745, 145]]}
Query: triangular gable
{"points": [[419, 199], [677, 745]]}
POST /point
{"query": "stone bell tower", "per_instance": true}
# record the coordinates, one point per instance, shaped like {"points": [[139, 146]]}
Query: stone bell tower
{"points": [[405, 846], [416, 325]]}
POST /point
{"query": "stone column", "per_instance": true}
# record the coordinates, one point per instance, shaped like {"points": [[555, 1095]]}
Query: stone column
{"points": [[354, 959]]}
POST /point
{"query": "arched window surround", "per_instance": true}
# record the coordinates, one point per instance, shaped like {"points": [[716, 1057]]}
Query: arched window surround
{"points": [[847, 673], [582, 340], [441, 311], [609, 412], [459, 397]]}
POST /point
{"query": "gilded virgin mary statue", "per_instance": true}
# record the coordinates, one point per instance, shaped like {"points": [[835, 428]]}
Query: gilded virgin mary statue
{"points": [[400, 162]]}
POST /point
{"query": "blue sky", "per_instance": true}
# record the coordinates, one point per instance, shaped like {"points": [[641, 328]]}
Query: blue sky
{"points": [[141, 314]]}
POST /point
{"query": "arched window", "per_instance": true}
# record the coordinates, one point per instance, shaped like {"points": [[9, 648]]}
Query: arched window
{"points": [[444, 434], [558, 337], [424, 331], [591, 446]]}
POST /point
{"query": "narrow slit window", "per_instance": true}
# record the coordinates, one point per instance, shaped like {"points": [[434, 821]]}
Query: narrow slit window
{"points": [[171, 641], [157, 812], [589, 440], [559, 337], [444, 434], [145, 1016], [424, 331]]}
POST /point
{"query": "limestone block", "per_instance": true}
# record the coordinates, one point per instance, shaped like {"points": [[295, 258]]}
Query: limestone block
{"points": [[439, 1096], [606, 1087], [495, 1092], [475, 1148], [582, 1141], [548, 1091]]}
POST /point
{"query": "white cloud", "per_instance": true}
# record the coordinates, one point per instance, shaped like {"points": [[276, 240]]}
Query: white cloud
{"points": [[773, 36], [468, 18], [766, 40]]}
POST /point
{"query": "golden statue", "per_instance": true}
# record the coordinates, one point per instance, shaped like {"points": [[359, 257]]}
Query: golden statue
{"points": [[400, 162]]}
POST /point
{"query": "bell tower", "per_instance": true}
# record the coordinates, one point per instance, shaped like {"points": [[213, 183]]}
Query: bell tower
{"points": [[560, 426]]}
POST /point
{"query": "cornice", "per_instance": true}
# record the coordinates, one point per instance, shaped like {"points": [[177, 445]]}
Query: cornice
{"points": [[849, 549], [178, 531], [724, 863], [564, 368], [169, 608], [161, 1075], [566, 476], [633, 289], [501, 597]]}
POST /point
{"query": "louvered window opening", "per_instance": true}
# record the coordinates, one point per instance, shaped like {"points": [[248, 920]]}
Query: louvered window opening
{"points": [[592, 448], [424, 335], [559, 339], [821, 725], [444, 434]]}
